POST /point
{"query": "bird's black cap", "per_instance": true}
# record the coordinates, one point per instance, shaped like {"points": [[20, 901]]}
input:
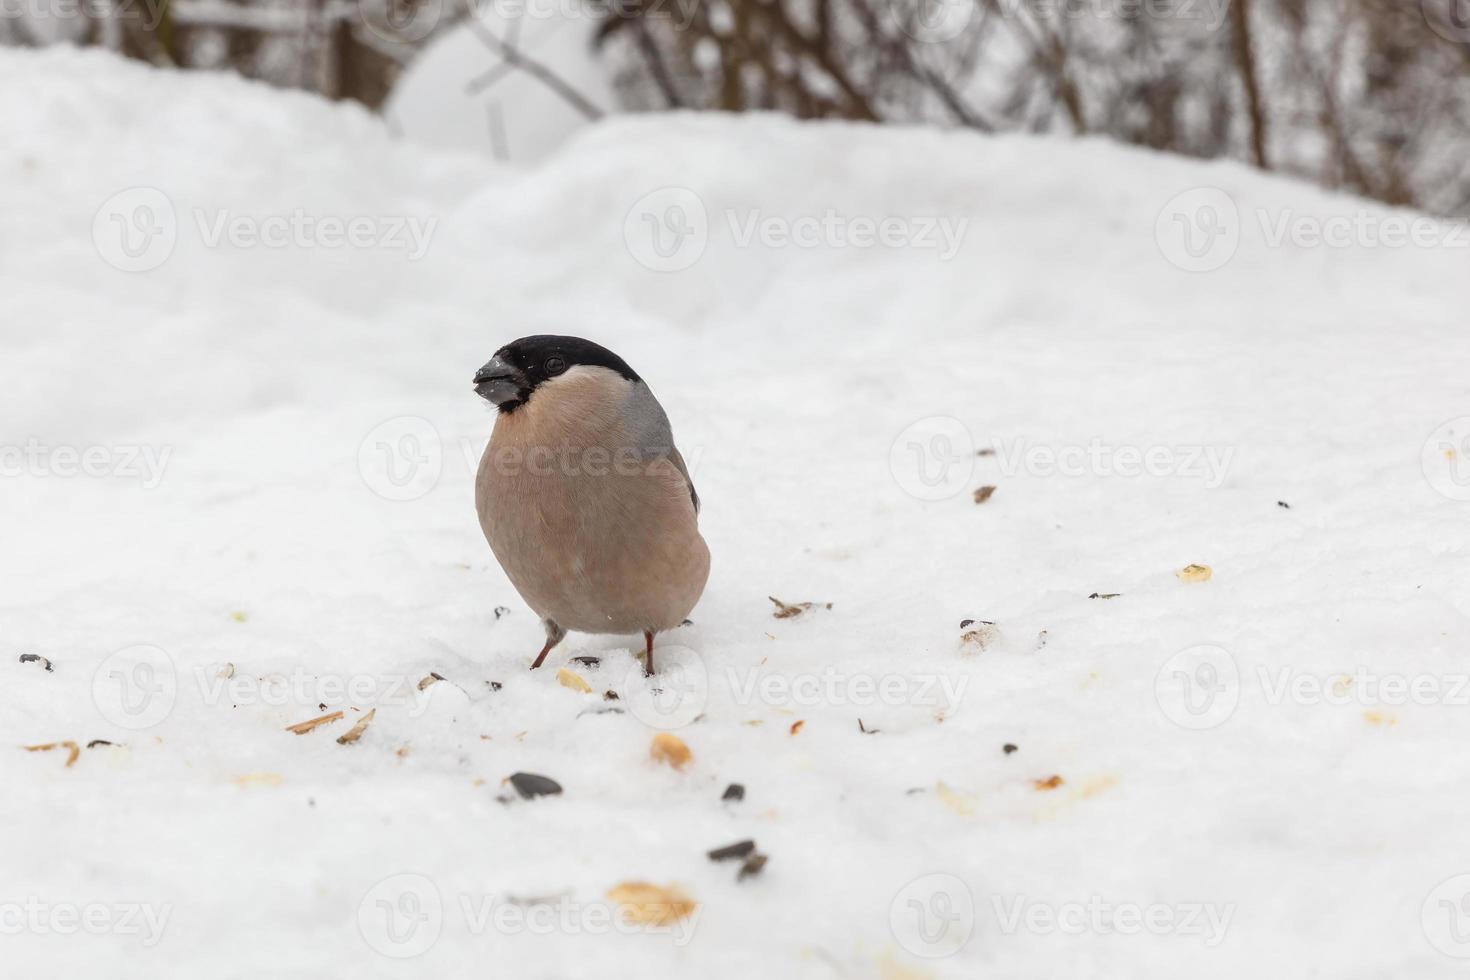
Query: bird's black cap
{"points": [[521, 366]]}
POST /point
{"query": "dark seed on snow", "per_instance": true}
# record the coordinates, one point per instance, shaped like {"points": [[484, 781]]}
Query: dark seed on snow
{"points": [[1105, 595], [33, 658], [752, 866], [966, 623], [96, 742], [501, 611], [734, 791], [530, 785], [1008, 748], [587, 661], [731, 852], [494, 685], [1283, 505], [610, 696]]}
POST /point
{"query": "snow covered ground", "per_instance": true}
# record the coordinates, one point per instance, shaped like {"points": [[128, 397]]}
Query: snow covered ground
{"points": [[232, 439]]}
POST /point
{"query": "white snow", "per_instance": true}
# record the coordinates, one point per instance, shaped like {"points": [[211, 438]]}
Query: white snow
{"points": [[274, 385]]}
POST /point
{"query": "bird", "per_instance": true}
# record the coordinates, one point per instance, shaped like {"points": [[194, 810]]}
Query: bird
{"points": [[582, 495]]}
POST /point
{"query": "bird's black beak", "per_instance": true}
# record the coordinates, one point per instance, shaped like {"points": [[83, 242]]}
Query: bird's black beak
{"points": [[498, 383]]}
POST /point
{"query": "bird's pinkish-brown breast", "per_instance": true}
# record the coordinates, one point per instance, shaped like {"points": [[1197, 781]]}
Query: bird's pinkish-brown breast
{"points": [[594, 531]]}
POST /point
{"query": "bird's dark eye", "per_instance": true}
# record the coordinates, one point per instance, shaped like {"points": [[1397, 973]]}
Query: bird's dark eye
{"points": [[556, 364]]}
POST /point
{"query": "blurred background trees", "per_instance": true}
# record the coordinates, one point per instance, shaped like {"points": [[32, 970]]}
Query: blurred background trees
{"points": [[1371, 96]]}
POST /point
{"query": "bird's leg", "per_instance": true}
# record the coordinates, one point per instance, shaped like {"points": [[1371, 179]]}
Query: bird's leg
{"points": [[554, 635], [648, 639]]}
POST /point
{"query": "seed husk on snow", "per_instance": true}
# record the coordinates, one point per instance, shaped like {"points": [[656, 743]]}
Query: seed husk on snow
{"points": [[355, 732], [983, 494], [588, 662], [734, 792], [1009, 747], [658, 905], [604, 709], [753, 865], [1105, 595], [529, 785], [788, 610], [302, 727], [979, 638], [573, 680], [1049, 783], [866, 730], [733, 852], [670, 749], [35, 658], [1195, 573], [432, 678], [71, 747]]}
